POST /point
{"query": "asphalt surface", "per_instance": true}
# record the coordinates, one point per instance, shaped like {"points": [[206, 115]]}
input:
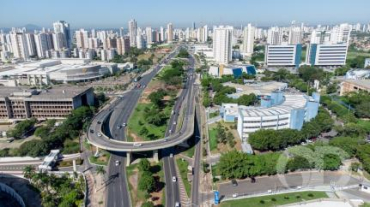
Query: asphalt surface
{"points": [[197, 159], [114, 127], [289, 181]]}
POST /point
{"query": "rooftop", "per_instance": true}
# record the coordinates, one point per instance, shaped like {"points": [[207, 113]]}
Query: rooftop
{"points": [[56, 93], [363, 83], [261, 88], [291, 102]]}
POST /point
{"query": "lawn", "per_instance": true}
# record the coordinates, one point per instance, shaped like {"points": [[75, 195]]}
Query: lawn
{"points": [[212, 139], [275, 200], [214, 114], [137, 122], [364, 123], [102, 159], [183, 167], [135, 194], [69, 163], [352, 55]]}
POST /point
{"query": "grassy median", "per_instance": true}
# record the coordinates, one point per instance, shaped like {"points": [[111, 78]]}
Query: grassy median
{"points": [[275, 200]]}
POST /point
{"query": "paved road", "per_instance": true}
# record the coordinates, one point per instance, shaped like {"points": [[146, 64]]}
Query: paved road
{"points": [[296, 180], [169, 164], [197, 159]]}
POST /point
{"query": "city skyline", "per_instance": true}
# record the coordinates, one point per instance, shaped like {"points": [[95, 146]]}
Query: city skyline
{"points": [[262, 13]]}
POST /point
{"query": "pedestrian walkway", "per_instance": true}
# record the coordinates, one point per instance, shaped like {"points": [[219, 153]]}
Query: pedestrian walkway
{"points": [[183, 195]]}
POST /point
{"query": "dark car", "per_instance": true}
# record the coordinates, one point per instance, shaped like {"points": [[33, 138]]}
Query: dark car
{"points": [[91, 131], [99, 122], [253, 179], [233, 181]]}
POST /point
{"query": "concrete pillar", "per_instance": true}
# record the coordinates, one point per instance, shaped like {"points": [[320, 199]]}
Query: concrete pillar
{"points": [[97, 152], [155, 156], [128, 158], [74, 166]]}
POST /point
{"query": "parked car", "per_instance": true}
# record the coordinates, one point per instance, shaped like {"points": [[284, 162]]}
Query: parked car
{"points": [[233, 181]]}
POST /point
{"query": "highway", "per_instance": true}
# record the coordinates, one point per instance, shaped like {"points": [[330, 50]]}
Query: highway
{"points": [[197, 158]]}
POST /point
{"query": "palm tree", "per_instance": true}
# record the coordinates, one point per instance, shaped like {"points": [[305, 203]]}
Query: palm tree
{"points": [[29, 172]]}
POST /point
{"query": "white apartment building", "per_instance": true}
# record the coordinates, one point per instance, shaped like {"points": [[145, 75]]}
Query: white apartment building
{"points": [[248, 40], [327, 54], [123, 45], [132, 31], [274, 36], [283, 55], [295, 35], [222, 44], [31, 46], [149, 35], [59, 41], [19, 45], [41, 45]]}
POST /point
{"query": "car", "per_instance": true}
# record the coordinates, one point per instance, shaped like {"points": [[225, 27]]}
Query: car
{"points": [[235, 195], [117, 162], [119, 127], [174, 179], [91, 131], [137, 144], [171, 155], [233, 181], [123, 124], [99, 122], [165, 140], [177, 204], [99, 135], [174, 123], [170, 131]]}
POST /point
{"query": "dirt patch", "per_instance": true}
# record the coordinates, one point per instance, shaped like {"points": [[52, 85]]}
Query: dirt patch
{"points": [[133, 179], [135, 137]]}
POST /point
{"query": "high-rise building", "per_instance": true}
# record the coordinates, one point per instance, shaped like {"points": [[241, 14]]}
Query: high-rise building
{"points": [[59, 41], [64, 28], [283, 55], [169, 33], [140, 42], [248, 40], [222, 48], [340, 33], [19, 45], [149, 35], [274, 36], [123, 45], [161, 34], [42, 47], [132, 31], [82, 39], [121, 31], [295, 35], [327, 54], [31, 46]]}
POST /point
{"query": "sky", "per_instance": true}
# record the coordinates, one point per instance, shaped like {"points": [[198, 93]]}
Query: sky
{"points": [[116, 13]]}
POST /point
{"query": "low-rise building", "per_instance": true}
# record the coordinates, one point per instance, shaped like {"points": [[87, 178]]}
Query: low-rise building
{"points": [[62, 70], [348, 86], [235, 70], [358, 74], [58, 102], [277, 111], [327, 55]]}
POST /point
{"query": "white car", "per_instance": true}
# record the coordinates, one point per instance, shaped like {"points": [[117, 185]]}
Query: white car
{"points": [[124, 124], [170, 131], [174, 123], [117, 162], [177, 204], [136, 144], [99, 135], [235, 195], [174, 179]]}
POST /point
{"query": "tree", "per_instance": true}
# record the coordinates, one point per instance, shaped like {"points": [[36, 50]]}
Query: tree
{"points": [[247, 100], [22, 128], [29, 172], [331, 162], [146, 182], [143, 131], [298, 163], [144, 165]]}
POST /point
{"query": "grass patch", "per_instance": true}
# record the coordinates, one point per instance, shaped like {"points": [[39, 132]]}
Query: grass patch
{"points": [[214, 114], [352, 55], [365, 124], [275, 200], [71, 146], [212, 139], [102, 159], [183, 167], [137, 122]]}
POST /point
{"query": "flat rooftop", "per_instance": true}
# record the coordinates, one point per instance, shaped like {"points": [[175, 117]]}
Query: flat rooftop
{"points": [[363, 83], [53, 94], [259, 88], [291, 102]]}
